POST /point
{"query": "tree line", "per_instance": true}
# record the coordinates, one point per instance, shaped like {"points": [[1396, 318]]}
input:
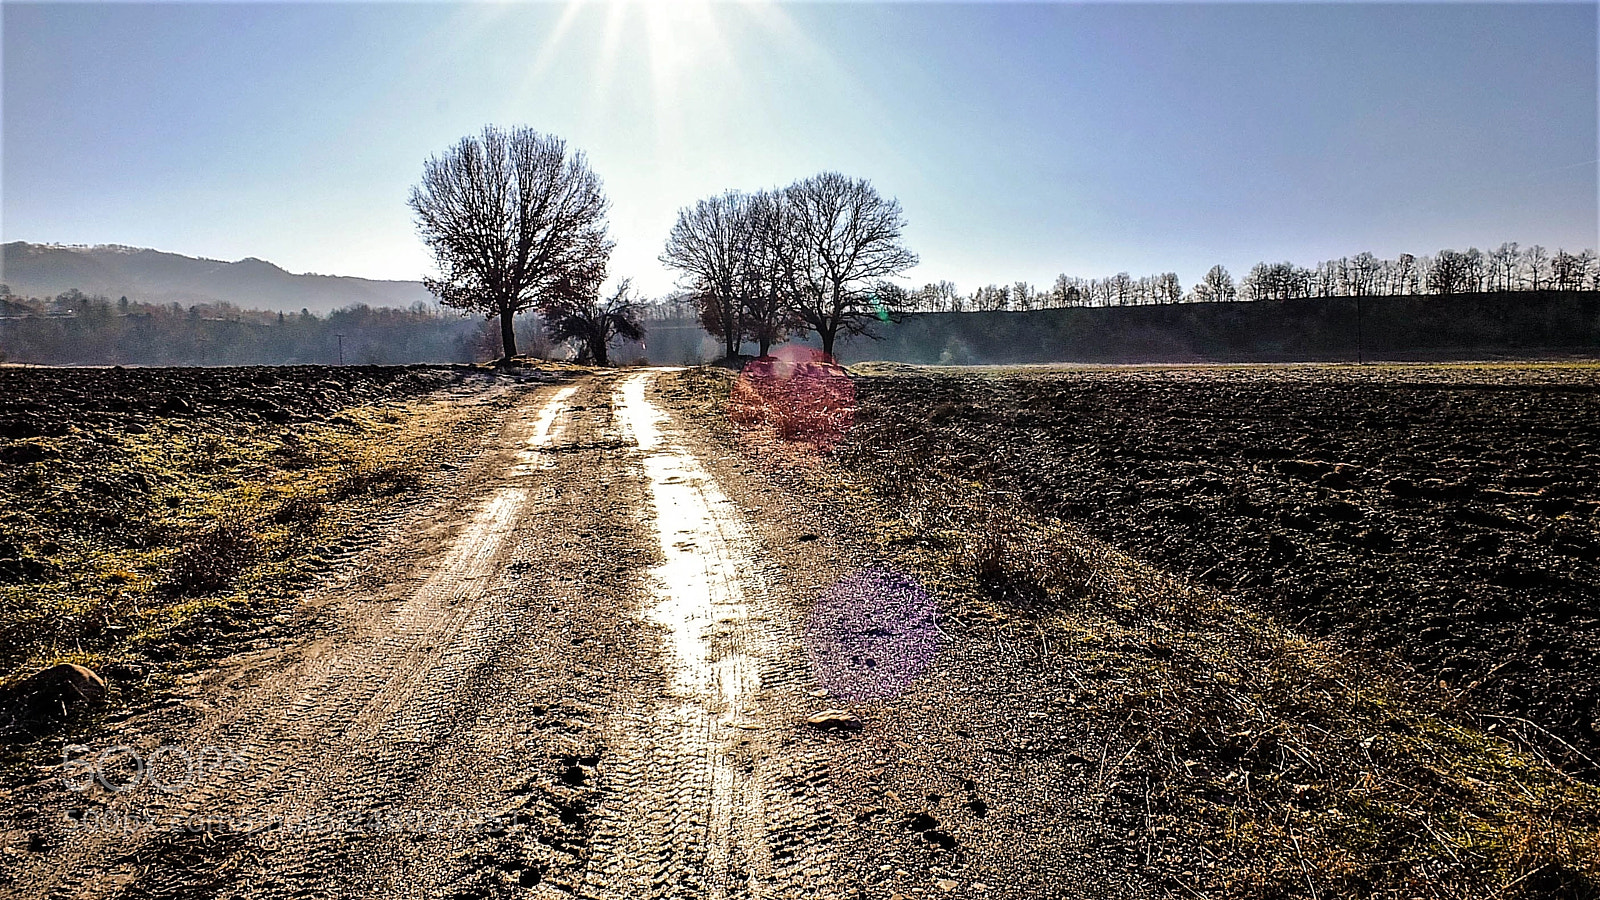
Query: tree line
{"points": [[516, 223], [1448, 272], [74, 328]]}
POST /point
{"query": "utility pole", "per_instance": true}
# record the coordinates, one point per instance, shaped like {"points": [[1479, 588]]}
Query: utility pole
{"points": [[341, 349]]}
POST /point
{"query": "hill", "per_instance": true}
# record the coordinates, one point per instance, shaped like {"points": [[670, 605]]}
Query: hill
{"points": [[152, 276]]}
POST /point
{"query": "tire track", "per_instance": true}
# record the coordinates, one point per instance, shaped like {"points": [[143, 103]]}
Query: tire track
{"points": [[700, 792]]}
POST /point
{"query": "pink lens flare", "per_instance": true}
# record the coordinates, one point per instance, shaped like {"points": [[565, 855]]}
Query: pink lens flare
{"points": [[871, 635], [797, 397]]}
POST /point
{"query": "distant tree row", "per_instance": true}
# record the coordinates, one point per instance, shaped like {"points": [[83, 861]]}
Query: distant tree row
{"points": [[74, 328], [815, 256], [1509, 268], [1472, 271]]}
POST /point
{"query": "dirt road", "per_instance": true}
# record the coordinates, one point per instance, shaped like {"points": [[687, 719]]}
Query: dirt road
{"points": [[581, 666], [579, 662], [568, 671]]}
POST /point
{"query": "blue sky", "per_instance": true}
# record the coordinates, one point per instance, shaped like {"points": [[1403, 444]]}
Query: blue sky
{"points": [[1023, 140]]}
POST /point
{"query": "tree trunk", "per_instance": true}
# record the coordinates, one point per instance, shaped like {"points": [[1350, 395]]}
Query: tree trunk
{"points": [[766, 344], [598, 350], [508, 335], [827, 336]]}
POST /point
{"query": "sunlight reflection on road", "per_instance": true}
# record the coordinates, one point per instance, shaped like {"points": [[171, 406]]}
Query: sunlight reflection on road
{"points": [[701, 603]]}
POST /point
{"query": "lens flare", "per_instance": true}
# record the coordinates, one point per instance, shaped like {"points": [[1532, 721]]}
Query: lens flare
{"points": [[871, 635], [796, 403]]}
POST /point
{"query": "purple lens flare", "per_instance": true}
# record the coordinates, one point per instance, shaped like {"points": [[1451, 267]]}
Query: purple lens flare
{"points": [[871, 635]]}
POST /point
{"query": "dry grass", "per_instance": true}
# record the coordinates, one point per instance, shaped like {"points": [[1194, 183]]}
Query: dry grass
{"points": [[210, 563], [154, 545]]}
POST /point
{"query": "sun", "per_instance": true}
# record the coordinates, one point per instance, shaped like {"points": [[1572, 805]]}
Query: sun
{"points": [[680, 35], [676, 54]]}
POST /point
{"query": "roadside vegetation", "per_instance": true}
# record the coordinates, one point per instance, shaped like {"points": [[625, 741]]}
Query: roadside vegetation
{"points": [[1248, 759], [138, 543]]}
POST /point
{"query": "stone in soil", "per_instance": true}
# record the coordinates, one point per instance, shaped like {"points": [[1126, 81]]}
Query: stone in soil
{"points": [[834, 720]]}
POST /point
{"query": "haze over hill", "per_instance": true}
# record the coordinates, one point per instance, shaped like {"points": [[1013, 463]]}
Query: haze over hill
{"points": [[153, 276]]}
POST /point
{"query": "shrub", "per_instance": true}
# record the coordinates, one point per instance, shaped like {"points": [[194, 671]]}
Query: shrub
{"points": [[298, 509], [211, 562]]}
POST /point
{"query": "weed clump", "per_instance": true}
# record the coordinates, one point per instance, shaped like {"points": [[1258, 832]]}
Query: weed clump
{"points": [[373, 476], [1025, 565], [211, 562], [298, 510]]}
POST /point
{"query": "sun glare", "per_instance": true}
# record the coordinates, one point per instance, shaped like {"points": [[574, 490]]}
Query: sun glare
{"points": [[682, 47]]}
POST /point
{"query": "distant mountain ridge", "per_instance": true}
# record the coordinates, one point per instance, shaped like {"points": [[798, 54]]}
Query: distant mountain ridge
{"points": [[154, 276]]}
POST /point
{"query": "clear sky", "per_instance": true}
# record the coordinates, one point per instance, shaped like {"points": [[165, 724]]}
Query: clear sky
{"points": [[1023, 140]]}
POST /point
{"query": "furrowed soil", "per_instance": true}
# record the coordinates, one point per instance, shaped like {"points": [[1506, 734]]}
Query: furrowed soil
{"points": [[605, 634], [1447, 514], [1095, 723]]}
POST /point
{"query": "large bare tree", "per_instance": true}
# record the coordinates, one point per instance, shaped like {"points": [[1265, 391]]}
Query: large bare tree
{"points": [[1217, 285], [767, 292], [508, 214], [845, 244]]}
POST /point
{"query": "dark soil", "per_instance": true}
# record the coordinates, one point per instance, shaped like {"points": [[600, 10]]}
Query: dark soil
{"points": [[49, 402], [1448, 514]]}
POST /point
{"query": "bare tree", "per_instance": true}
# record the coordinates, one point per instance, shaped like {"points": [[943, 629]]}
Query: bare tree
{"points": [[1217, 285], [1277, 281], [1259, 283], [1065, 292], [1121, 286], [508, 214], [846, 244], [1537, 259], [991, 298], [1361, 275], [1023, 296], [707, 244], [766, 291], [1569, 271], [1450, 273], [1328, 277], [1477, 272], [938, 296], [1503, 267], [578, 312], [1168, 289], [1405, 272]]}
